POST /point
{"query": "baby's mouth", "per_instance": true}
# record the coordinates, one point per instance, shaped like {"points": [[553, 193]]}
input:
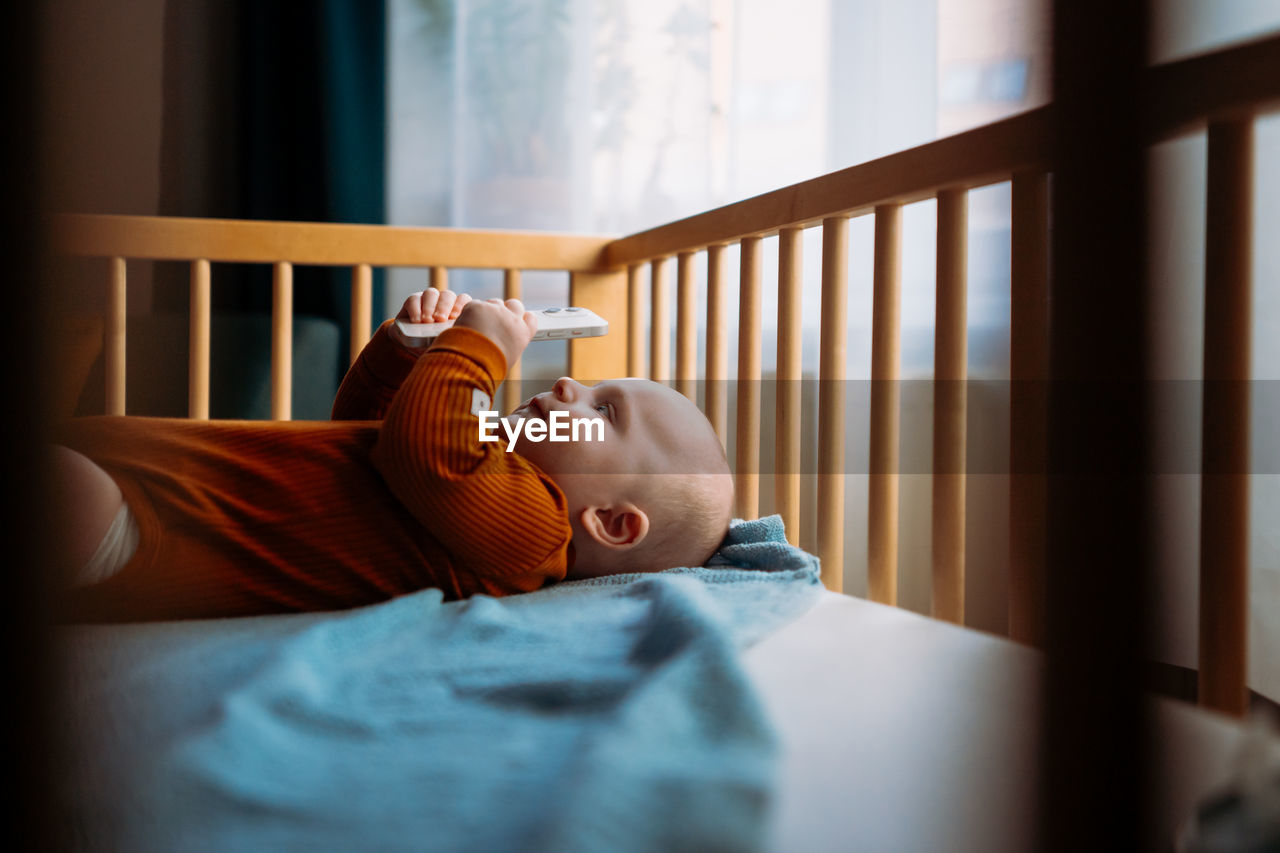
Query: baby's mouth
{"points": [[530, 408]]}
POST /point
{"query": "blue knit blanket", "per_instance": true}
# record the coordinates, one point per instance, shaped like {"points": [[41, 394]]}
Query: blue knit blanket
{"points": [[602, 715]]}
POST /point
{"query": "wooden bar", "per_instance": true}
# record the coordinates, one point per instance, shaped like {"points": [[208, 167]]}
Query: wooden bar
{"points": [[440, 278], [886, 308], [787, 437], [201, 319], [659, 322], [1240, 80], [314, 243], [512, 395], [1028, 412], [686, 327], [282, 342], [604, 357], [635, 322], [114, 338], [1224, 489], [717, 358], [361, 309], [833, 353], [950, 407], [747, 439]]}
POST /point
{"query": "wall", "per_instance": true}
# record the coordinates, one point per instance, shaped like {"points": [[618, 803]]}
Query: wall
{"points": [[102, 84]]}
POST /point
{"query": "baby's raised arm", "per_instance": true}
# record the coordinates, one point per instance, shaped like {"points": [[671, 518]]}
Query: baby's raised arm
{"points": [[505, 520], [386, 360]]}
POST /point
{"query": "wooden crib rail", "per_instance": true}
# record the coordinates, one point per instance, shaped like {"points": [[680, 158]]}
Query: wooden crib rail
{"points": [[283, 245], [254, 241]]}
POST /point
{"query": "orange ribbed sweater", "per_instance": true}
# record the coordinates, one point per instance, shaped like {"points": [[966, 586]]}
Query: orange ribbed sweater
{"points": [[395, 494]]}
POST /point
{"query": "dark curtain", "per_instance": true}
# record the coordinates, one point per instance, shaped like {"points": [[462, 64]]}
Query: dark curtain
{"points": [[274, 110]]}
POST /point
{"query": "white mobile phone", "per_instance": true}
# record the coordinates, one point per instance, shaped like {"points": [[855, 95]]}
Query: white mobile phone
{"points": [[553, 324]]}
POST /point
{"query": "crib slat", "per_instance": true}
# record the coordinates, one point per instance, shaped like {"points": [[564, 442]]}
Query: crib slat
{"points": [[659, 322], [282, 342], [511, 391], [604, 357], [717, 367], [686, 327], [747, 440], [882, 506], [950, 406], [1224, 481], [198, 357], [1028, 412], [787, 439], [635, 322], [114, 342], [833, 352], [440, 278], [361, 308]]}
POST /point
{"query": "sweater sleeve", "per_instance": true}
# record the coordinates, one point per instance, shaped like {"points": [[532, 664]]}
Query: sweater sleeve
{"points": [[370, 385], [500, 516]]}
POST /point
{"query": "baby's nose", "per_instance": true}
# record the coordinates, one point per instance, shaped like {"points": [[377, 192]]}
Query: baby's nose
{"points": [[565, 389]]}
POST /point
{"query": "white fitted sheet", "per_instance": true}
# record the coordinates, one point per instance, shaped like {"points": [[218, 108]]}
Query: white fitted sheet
{"points": [[904, 733]]}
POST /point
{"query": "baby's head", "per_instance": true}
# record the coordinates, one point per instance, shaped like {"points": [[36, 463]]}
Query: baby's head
{"points": [[654, 494]]}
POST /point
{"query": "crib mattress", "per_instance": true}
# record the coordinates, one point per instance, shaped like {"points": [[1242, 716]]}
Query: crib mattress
{"points": [[904, 733]]}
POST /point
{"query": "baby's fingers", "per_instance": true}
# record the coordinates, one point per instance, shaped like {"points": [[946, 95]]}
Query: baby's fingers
{"points": [[430, 299], [412, 308], [445, 301], [463, 299]]}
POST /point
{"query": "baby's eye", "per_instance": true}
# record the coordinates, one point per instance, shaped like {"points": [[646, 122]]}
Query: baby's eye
{"points": [[605, 409]]}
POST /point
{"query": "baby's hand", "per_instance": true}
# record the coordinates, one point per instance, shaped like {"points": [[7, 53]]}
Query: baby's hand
{"points": [[506, 324], [433, 306]]}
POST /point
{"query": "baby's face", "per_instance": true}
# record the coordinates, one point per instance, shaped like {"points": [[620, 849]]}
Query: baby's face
{"points": [[648, 429]]}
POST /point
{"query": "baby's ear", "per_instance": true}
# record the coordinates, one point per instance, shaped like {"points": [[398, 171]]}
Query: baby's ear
{"points": [[620, 526]]}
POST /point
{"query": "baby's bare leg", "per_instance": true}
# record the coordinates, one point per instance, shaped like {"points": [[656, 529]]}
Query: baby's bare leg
{"points": [[85, 501]]}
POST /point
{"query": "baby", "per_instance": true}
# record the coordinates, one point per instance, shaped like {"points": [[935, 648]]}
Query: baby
{"points": [[396, 493]]}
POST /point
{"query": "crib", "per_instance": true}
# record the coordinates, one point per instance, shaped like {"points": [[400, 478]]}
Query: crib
{"points": [[629, 281]]}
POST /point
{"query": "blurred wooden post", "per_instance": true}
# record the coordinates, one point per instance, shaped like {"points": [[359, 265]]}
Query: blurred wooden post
{"points": [[882, 505], [747, 435], [787, 438], [200, 319], [1224, 480], [833, 351], [282, 342], [1095, 757], [1028, 372], [950, 408], [114, 343]]}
